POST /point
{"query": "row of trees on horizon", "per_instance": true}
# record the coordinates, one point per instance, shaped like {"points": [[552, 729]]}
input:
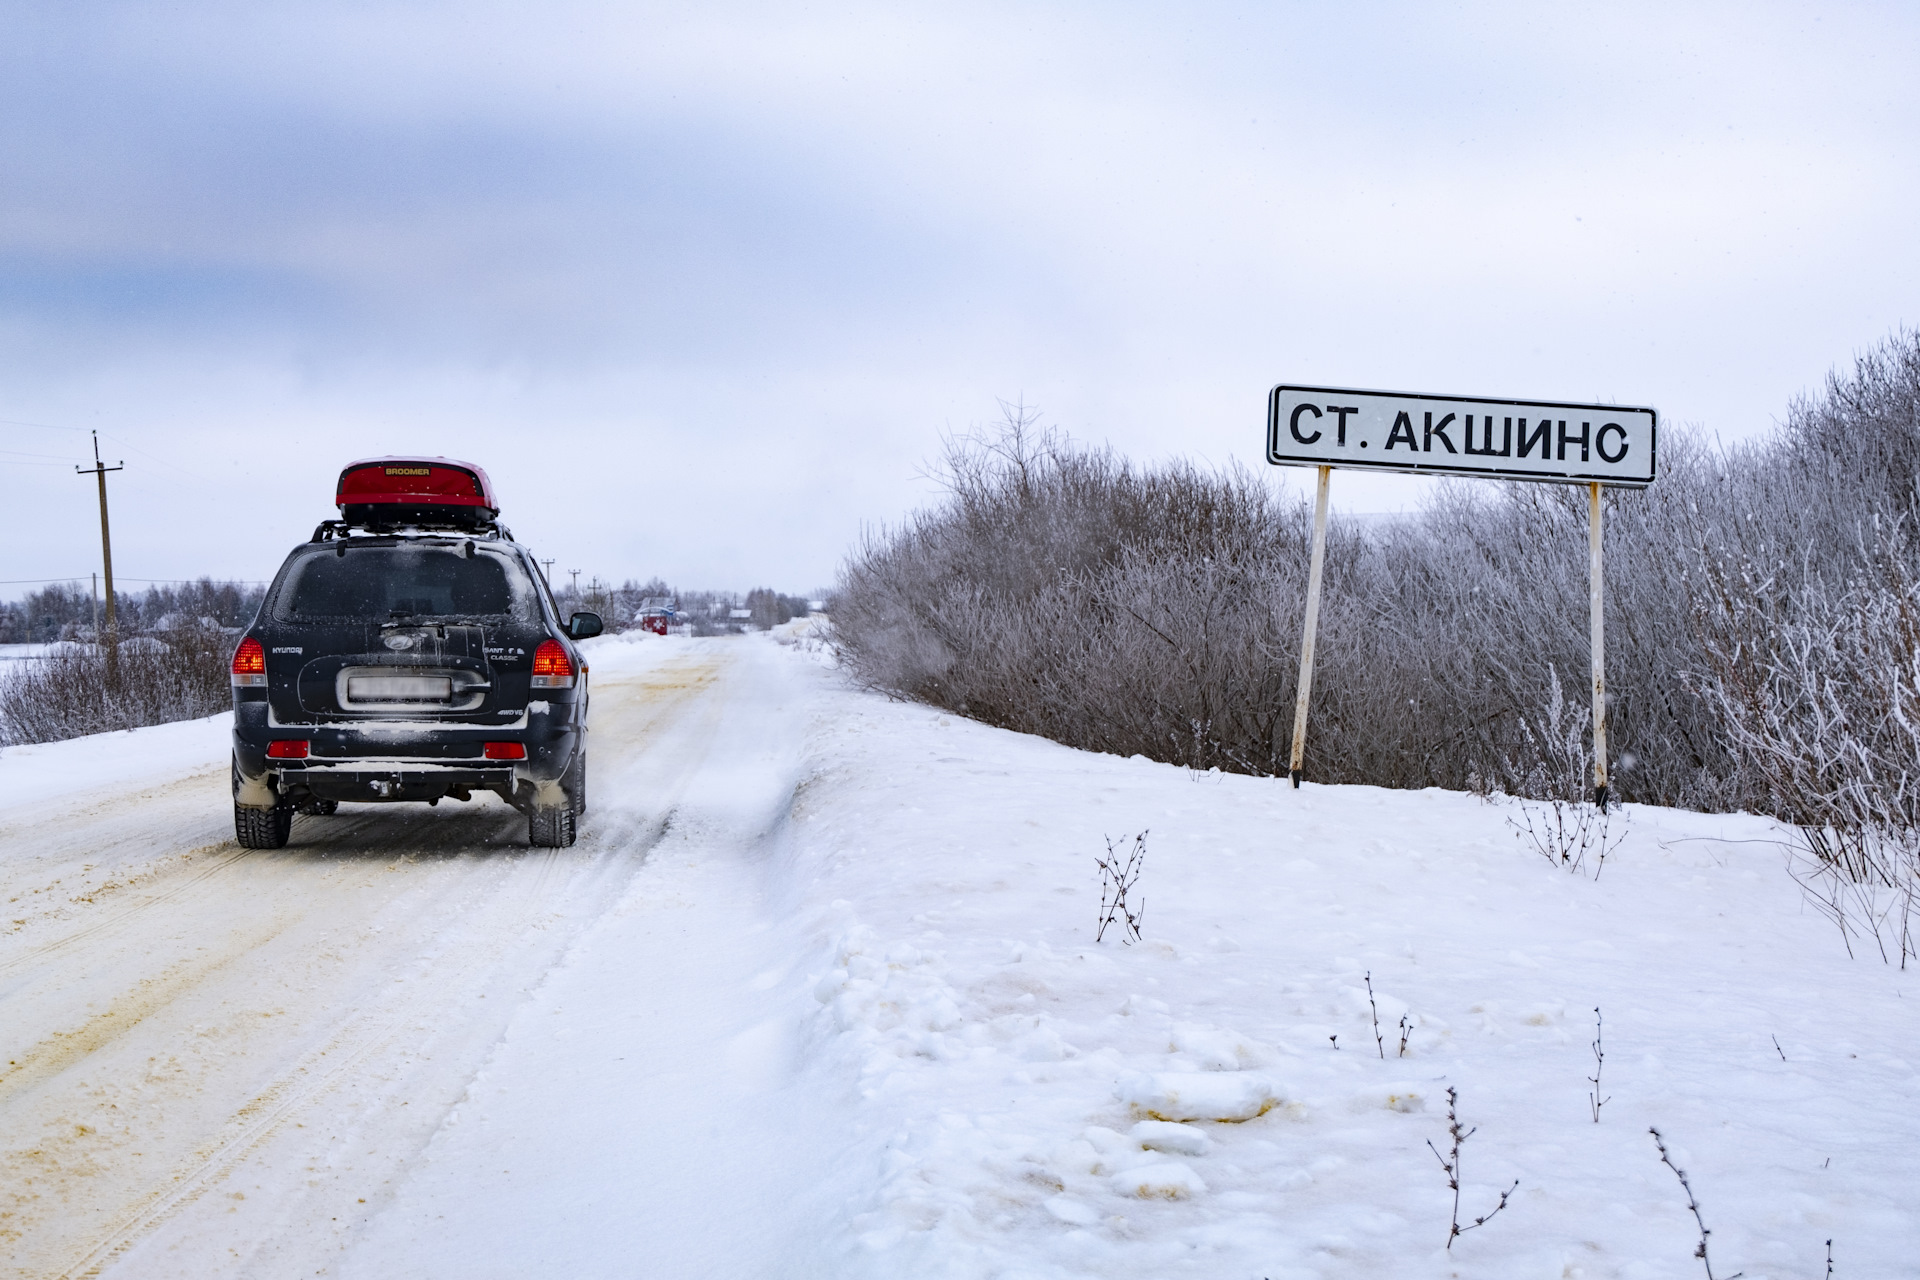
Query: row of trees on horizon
{"points": [[71, 610]]}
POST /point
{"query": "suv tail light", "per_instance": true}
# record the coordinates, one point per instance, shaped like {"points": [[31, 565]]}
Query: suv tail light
{"points": [[506, 751], [552, 669], [249, 665], [287, 749]]}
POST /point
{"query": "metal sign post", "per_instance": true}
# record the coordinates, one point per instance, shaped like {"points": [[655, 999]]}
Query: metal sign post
{"points": [[1488, 437], [1597, 622], [1311, 626]]}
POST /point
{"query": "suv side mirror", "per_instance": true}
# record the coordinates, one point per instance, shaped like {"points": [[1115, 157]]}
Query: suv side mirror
{"points": [[585, 626]]}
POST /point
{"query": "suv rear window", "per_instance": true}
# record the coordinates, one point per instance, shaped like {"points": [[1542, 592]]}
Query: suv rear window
{"points": [[408, 580]]}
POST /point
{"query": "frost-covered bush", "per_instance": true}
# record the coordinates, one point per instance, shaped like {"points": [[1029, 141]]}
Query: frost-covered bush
{"points": [[1060, 590], [1064, 592], [180, 674], [1820, 689]]}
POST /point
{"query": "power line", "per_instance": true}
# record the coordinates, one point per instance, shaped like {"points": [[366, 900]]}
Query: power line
{"points": [[123, 443], [151, 457], [38, 426], [75, 577]]}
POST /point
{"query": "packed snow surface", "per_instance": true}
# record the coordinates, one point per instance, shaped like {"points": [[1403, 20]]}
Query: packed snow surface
{"points": [[817, 995]]}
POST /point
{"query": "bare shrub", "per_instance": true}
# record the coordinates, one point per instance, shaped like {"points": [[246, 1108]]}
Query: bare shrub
{"points": [[1564, 832], [1062, 591], [1821, 691], [180, 674]]}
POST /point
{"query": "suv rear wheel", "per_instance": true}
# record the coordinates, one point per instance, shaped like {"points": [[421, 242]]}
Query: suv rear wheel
{"points": [[262, 828], [258, 828], [556, 828], [550, 828]]}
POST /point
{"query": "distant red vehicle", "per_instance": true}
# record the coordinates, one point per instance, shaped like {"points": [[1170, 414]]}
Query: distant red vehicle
{"points": [[656, 623]]}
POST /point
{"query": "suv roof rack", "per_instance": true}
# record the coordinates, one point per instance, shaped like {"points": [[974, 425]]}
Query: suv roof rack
{"points": [[328, 530]]}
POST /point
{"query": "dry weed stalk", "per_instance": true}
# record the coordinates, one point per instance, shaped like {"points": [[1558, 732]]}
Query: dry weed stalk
{"points": [[1451, 1164], [1119, 879], [1377, 1041], [1699, 1250], [1594, 1099]]}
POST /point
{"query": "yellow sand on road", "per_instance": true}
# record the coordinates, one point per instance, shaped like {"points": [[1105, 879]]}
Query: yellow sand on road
{"points": [[202, 1043]]}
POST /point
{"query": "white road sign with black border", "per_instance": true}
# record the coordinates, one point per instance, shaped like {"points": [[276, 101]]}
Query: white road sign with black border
{"points": [[1461, 435]]}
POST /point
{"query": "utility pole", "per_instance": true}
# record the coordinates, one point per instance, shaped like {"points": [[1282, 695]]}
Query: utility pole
{"points": [[99, 471], [576, 582], [549, 563]]}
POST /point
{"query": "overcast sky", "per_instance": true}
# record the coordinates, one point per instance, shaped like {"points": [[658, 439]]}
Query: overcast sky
{"points": [[701, 286]]}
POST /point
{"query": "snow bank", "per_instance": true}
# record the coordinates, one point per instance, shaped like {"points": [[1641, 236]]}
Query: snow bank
{"points": [[848, 1021], [126, 760], [1213, 1101]]}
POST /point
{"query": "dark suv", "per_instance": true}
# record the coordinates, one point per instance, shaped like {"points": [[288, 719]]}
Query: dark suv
{"points": [[410, 651]]}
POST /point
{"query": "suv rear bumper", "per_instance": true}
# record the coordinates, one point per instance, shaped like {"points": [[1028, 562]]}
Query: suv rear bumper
{"points": [[374, 761], [378, 780]]}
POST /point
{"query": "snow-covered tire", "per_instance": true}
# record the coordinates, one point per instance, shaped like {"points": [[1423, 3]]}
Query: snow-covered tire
{"points": [[262, 828], [550, 828]]}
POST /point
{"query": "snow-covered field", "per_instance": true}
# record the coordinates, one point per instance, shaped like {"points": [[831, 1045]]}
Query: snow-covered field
{"points": [[817, 995]]}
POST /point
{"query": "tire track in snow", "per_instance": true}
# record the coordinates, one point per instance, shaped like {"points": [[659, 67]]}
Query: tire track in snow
{"points": [[90, 855], [486, 913], [226, 855], [679, 1144], [107, 803], [251, 1125], [147, 996], [356, 1039]]}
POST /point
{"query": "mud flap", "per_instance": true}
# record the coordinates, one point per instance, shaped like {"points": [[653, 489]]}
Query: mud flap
{"points": [[529, 795], [253, 793]]}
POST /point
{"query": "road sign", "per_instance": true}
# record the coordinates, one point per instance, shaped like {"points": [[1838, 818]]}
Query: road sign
{"points": [[1590, 444], [1461, 435]]}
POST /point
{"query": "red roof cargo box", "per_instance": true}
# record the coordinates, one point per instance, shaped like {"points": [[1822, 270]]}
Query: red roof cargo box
{"points": [[428, 492]]}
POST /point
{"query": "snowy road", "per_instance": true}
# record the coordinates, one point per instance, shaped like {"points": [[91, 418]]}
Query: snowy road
{"points": [[817, 996], [228, 1063]]}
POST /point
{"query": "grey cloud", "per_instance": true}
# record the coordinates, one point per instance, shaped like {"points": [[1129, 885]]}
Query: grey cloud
{"points": [[747, 262]]}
